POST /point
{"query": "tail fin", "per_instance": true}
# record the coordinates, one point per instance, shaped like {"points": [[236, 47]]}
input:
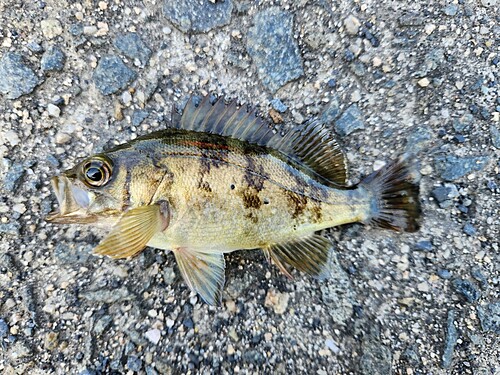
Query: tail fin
{"points": [[396, 203]]}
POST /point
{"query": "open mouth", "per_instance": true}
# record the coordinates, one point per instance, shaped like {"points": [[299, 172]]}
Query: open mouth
{"points": [[73, 202]]}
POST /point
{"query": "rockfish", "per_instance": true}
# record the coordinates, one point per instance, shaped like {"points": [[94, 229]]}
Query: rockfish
{"points": [[221, 179]]}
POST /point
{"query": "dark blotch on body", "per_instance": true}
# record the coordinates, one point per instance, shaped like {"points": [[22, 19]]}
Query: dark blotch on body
{"points": [[250, 197], [297, 202]]}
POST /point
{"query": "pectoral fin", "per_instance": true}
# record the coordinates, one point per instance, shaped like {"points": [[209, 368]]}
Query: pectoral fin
{"points": [[134, 230], [203, 272], [309, 255]]}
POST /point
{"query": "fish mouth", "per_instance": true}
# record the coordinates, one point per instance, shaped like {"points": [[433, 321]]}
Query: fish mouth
{"points": [[73, 202]]}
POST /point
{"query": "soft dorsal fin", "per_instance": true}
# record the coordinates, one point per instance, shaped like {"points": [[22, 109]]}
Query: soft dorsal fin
{"points": [[312, 144]]}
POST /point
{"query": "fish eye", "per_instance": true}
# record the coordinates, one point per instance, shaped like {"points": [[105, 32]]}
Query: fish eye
{"points": [[97, 172]]}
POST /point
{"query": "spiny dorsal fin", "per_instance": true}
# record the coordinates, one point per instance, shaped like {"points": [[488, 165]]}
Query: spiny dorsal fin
{"points": [[310, 255], [312, 144]]}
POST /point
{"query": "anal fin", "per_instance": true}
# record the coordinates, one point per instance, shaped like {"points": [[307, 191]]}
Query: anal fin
{"points": [[203, 272], [310, 255]]}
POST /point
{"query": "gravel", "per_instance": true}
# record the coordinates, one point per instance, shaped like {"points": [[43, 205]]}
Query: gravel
{"points": [[420, 78]]}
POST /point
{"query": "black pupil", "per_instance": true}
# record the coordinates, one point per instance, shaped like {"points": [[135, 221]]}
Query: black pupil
{"points": [[94, 174]]}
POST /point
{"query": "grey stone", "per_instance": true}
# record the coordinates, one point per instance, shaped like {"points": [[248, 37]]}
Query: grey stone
{"points": [[418, 139], [463, 124], [432, 60], [451, 10], [16, 78], [278, 105], [4, 328], [350, 121], [139, 116], [198, 16], [467, 290], [132, 46], [11, 229], [478, 275], [112, 75], [424, 245], [376, 358], [451, 168], [489, 316], [451, 340], [35, 47], [53, 59], [102, 324], [134, 363], [469, 229], [445, 194], [273, 48], [331, 111], [168, 275], [444, 273], [495, 136], [337, 294]]}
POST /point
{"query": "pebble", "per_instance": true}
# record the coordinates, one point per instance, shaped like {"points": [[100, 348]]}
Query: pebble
{"points": [[451, 340], [16, 78], [112, 75], [278, 105], [331, 111], [153, 335], [134, 363], [351, 25], [495, 136], [51, 28], [139, 116], [11, 229], [4, 328], [278, 301], [273, 48], [453, 167], [13, 177], [198, 16], [132, 46], [469, 229], [467, 290], [444, 195], [168, 275], [444, 273], [51, 340], [489, 316], [11, 137], [34, 47], [350, 121], [424, 245], [424, 82], [451, 10], [53, 59], [54, 111], [102, 324]]}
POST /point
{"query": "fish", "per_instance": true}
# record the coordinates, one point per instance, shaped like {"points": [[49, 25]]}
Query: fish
{"points": [[219, 178]]}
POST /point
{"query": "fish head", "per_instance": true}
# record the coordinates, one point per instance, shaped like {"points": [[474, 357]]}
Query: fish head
{"points": [[89, 192]]}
